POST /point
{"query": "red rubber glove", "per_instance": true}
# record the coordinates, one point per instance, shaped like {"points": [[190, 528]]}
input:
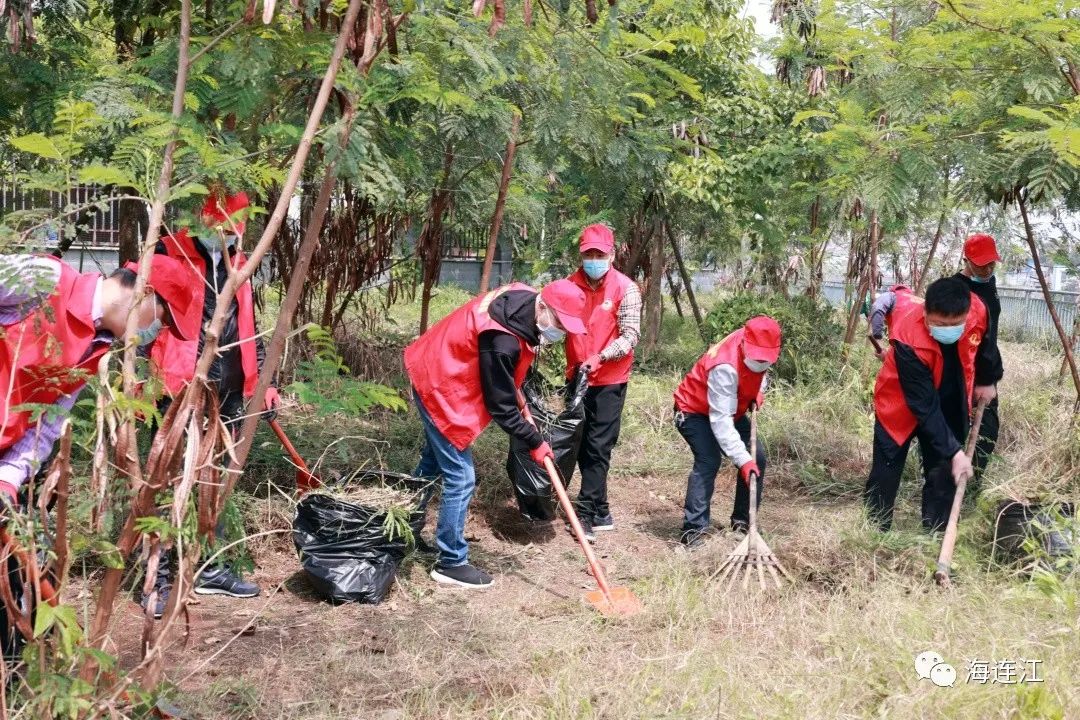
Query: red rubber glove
{"points": [[592, 364], [760, 400], [746, 468], [271, 402], [540, 452]]}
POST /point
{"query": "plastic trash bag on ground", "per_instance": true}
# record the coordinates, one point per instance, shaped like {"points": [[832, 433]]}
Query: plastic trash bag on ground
{"points": [[351, 552], [561, 427]]}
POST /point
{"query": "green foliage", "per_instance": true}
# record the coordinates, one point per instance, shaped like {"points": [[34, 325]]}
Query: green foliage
{"points": [[811, 334], [325, 382]]}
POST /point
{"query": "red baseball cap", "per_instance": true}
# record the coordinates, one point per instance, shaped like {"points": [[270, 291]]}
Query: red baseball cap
{"points": [[761, 338], [981, 249], [171, 282], [215, 213], [597, 237], [568, 302]]}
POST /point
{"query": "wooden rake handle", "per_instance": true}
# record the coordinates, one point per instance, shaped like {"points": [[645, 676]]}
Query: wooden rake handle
{"points": [[948, 543]]}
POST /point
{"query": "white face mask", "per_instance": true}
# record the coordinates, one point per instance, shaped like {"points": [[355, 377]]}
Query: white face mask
{"points": [[758, 366]]}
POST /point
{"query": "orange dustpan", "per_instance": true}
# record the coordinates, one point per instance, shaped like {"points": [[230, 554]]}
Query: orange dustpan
{"points": [[608, 600]]}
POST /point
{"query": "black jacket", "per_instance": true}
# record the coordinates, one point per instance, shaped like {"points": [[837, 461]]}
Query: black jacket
{"points": [[941, 412], [499, 354], [988, 366]]}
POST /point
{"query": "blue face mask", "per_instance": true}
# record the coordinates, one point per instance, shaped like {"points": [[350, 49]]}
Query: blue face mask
{"points": [[976, 278], [145, 336], [595, 269], [551, 335], [946, 334]]}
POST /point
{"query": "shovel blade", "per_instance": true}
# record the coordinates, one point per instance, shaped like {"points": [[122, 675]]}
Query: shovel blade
{"points": [[621, 601]]}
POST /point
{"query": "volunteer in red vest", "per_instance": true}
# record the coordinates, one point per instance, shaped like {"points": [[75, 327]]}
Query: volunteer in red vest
{"points": [[980, 259], [466, 371], [924, 391], [606, 352], [57, 324], [235, 371], [711, 413], [895, 301]]}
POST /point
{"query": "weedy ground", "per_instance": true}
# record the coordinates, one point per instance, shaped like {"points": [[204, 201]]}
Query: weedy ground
{"points": [[839, 642]]}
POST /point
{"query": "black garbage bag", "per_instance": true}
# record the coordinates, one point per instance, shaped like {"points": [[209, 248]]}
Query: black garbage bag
{"points": [[1047, 525], [345, 549], [562, 430]]}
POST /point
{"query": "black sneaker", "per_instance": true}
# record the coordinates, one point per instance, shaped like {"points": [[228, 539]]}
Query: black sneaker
{"points": [[603, 522], [586, 528], [159, 604], [740, 527], [465, 576], [693, 539], [222, 581]]}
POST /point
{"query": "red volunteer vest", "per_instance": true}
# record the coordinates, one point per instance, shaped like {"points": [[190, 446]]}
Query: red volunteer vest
{"points": [[176, 358], [905, 301], [444, 367], [692, 395], [41, 356], [889, 405], [602, 322]]}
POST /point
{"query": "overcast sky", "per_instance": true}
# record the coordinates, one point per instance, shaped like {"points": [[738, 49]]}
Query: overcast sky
{"points": [[760, 11]]}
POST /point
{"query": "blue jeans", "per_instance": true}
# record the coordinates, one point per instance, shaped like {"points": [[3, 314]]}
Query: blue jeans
{"points": [[708, 457], [440, 457]]}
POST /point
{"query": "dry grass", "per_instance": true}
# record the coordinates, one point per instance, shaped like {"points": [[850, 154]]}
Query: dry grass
{"points": [[838, 643]]}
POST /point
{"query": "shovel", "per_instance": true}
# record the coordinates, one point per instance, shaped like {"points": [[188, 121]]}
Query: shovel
{"points": [[305, 481], [948, 543], [608, 600], [751, 554]]}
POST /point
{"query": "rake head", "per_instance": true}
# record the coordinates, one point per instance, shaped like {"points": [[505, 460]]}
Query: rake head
{"points": [[751, 557]]}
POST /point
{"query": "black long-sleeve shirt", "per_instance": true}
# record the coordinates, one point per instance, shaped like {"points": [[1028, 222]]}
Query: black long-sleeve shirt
{"points": [[500, 352], [941, 412], [989, 368]]}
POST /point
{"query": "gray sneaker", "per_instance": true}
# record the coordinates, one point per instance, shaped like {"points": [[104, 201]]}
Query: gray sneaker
{"points": [[603, 522], [223, 581], [465, 576]]}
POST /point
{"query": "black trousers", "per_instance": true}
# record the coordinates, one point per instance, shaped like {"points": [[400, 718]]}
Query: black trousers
{"points": [[603, 420], [884, 481], [708, 457], [984, 448]]}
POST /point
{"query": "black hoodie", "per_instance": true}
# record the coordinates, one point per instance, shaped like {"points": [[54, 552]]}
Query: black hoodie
{"points": [[499, 354]]}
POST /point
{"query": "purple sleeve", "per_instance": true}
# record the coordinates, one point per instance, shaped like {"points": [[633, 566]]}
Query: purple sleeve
{"points": [[24, 458], [25, 281]]}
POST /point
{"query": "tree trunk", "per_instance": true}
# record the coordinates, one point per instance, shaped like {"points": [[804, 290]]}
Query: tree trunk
{"points": [[429, 244], [687, 281], [500, 203], [132, 215], [674, 292], [865, 283], [654, 298], [1065, 344]]}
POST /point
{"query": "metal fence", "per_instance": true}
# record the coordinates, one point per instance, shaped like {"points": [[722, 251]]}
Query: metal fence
{"points": [[1024, 313], [98, 226]]}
